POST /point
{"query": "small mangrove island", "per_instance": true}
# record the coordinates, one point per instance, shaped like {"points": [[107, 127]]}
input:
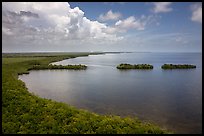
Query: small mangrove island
{"points": [[138, 66], [178, 66], [74, 67]]}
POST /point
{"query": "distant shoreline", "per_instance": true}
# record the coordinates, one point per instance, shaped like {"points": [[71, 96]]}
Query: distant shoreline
{"points": [[93, 52]]}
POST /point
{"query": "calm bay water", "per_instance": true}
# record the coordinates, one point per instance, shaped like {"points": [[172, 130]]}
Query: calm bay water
{"points": [[170, 98]]}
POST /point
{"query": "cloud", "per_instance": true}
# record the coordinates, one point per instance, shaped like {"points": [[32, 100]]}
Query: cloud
{"points": [[196, 13], [49, 22], [110, 16], [56, 25], [181, 40], [135, 23], [162, 7], [6, 31], [129, 23]]}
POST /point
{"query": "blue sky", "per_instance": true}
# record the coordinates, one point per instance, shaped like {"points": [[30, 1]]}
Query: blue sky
{"points": [[102, 26]]}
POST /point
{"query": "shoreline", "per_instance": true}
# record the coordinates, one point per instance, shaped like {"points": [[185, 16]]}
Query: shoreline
{"points": [[15, 94]]}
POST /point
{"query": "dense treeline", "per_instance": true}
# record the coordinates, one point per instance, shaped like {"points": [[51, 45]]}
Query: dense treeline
{"points": [[26, 113], [41, 67], [138, 66], [178, 66]]}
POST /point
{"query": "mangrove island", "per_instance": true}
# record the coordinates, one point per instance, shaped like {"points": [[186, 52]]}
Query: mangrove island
{"points": [[74, 67], [137, 66], [178, 66]]}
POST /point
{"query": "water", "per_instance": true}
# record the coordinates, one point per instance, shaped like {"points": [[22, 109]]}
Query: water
{"points": [[170, 98]]}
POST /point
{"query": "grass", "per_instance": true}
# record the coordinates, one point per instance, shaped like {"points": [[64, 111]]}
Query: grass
{"points": [[178, 66], [26, 113], [138, 66]]}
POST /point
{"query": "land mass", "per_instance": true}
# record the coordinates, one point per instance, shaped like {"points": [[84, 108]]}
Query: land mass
{"points": [[26, 113], [43, 67], [178, 66], [136, 66]]}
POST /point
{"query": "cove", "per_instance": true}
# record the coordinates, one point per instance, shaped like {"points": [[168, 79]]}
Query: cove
{"points": [[172, 99]]}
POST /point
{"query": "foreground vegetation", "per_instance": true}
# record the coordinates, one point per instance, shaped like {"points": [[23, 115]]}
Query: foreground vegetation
{"points": [[138, 66], [26, 113], [179, 66]]}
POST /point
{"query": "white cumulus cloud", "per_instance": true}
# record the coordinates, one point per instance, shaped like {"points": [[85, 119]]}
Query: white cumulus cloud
{"points": [[50, 22], [129, 23], [132, 23], [160, 7], [139, 23], [196, 13], [110, 16]]}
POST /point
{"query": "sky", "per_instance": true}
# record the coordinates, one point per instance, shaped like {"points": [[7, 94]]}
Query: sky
{"points": [[101, 26]]}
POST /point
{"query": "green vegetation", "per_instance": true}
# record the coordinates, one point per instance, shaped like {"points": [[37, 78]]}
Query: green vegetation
{"points": [[41, 67], [179, 66], [26, 113], [138, 66]]}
